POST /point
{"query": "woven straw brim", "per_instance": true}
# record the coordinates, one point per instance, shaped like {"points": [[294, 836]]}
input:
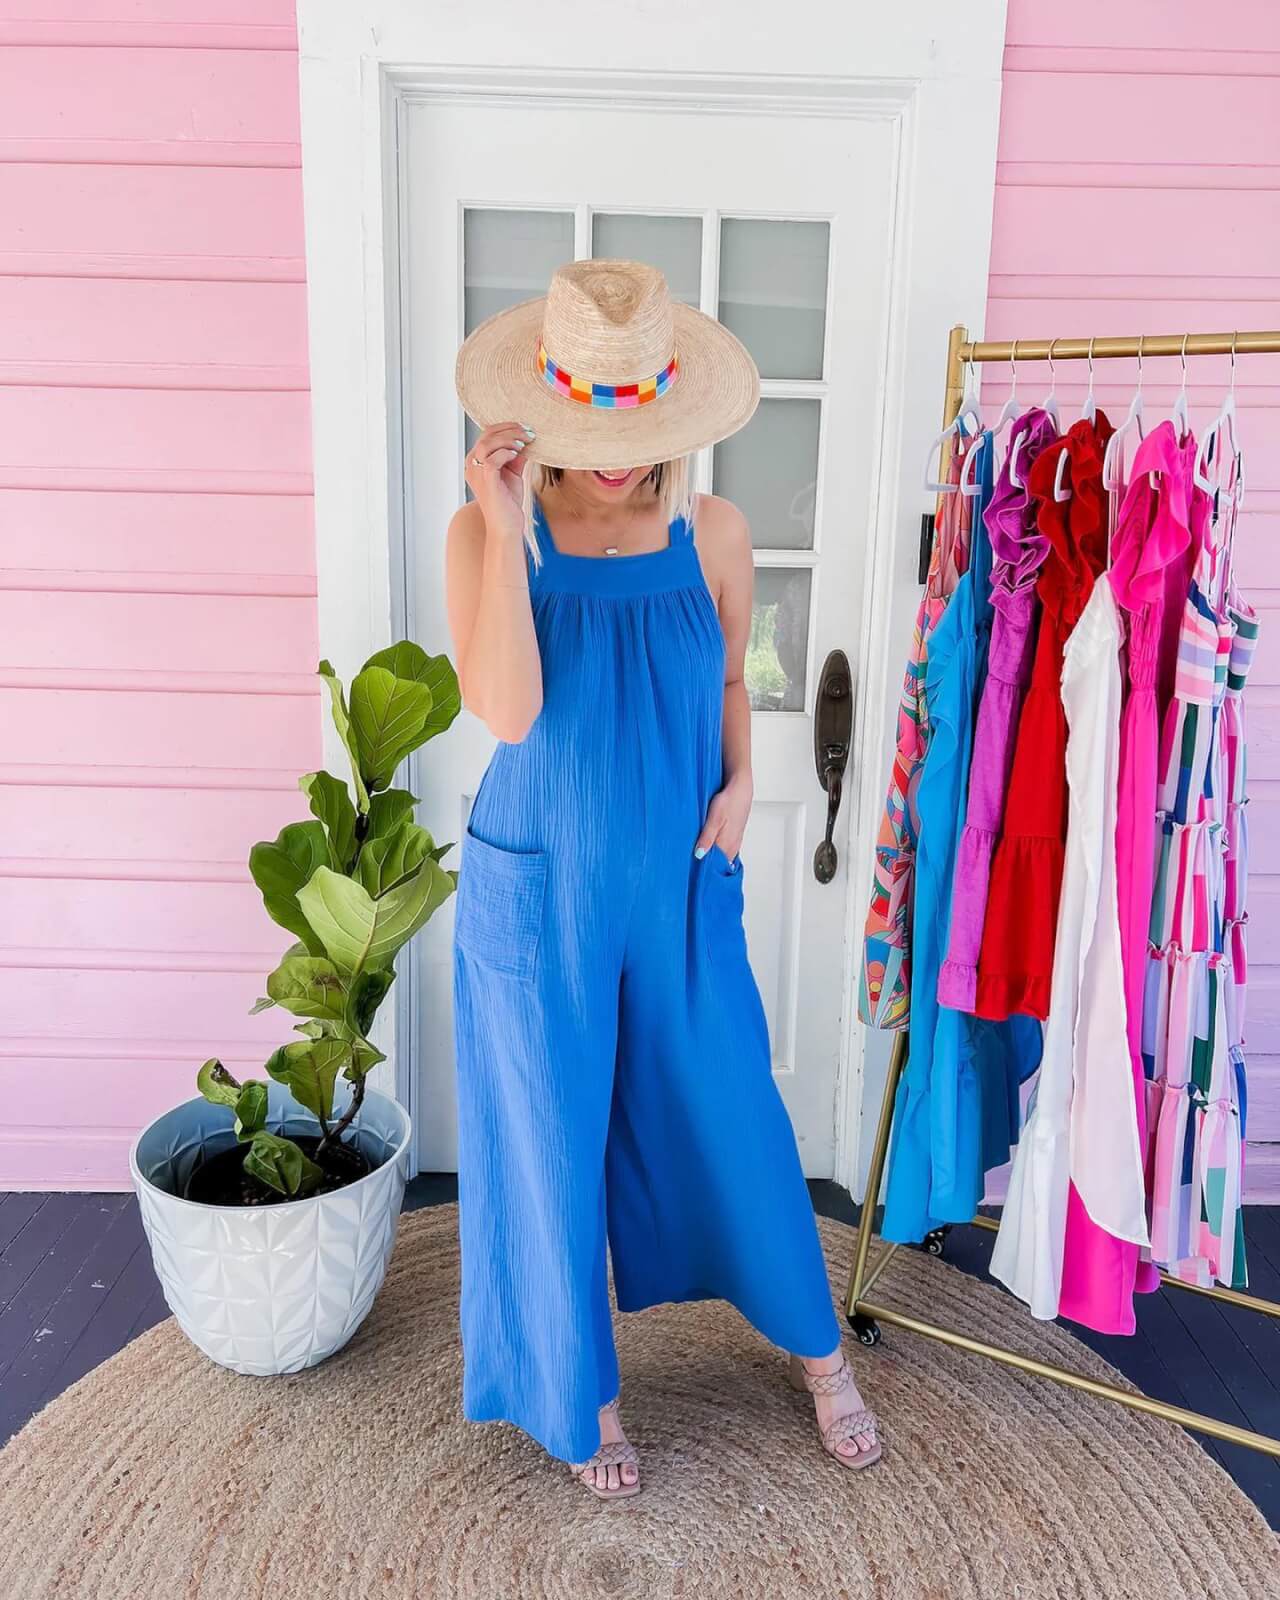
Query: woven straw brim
{"points": [[716, 391]]}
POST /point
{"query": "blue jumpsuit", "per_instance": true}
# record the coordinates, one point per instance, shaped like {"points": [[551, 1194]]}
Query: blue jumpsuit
{"points": [[613, 1062]]}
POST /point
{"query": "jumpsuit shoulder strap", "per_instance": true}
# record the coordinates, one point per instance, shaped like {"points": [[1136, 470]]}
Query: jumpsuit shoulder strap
{"points": [[681, 531]]}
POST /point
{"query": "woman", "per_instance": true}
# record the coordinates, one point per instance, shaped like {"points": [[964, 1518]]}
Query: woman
{"points": [[614, 1078]]}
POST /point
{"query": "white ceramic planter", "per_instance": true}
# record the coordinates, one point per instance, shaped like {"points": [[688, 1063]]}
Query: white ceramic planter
{"points": [[269, 1289]]}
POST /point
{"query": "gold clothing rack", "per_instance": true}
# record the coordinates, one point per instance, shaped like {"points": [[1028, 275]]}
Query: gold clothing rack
{"points": [[865, 1315]]}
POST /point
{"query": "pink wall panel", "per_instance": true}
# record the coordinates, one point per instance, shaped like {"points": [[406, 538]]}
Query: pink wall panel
{"points": [[235, 535], [157, 567], [1138, 165]]}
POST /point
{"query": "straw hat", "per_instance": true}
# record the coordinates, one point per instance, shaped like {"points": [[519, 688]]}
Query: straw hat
{"points": [[608, 370]]}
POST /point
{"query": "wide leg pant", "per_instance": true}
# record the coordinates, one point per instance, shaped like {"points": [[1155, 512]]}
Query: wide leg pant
{"points": [[614, 1093]]}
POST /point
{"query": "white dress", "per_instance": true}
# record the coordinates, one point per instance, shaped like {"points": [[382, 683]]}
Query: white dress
{"points": [[1082, 1124]]}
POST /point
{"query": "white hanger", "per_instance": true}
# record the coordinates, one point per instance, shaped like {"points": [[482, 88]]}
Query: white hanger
{"points": [[968, 409], [1050, 401], [1178, 416], [1114, 453], [1011, 405], [1224, 423], [1089, 411], [1048, 405]]}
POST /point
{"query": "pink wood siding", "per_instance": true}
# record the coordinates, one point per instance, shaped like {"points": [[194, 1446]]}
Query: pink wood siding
{"points": [[157, 567], [1139, 160]]}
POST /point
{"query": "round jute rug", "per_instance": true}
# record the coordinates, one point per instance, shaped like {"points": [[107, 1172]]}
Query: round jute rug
{"points": [[163, 1476]]}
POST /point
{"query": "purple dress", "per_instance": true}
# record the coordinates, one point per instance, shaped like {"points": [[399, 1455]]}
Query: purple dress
{"points": [[1019, 548]]}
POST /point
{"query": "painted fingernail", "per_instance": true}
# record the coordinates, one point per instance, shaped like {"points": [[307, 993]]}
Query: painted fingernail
{"points": [[527, 429], [700, 851], [518, 444]]}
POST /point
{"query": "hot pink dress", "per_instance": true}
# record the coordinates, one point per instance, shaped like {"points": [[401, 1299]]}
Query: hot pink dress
{"points": [[1151, 535]]}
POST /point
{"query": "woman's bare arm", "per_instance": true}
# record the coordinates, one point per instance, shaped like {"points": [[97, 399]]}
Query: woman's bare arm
{"points": [[487, 592], [730, 567]]}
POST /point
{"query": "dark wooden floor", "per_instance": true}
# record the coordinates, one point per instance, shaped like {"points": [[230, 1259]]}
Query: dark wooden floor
{"points": [[76, 1284]]}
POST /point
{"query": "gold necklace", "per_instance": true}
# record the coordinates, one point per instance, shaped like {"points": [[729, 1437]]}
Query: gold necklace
{"points": [[609, 549]]}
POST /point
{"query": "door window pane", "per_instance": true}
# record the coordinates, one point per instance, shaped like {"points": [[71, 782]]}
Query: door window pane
{"points": [[769, 469], [773, 292], [672, 244], [778, 645], [509, 256]]}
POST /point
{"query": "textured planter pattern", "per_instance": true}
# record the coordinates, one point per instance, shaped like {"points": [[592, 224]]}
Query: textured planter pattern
{"points": [[274, 1288]]}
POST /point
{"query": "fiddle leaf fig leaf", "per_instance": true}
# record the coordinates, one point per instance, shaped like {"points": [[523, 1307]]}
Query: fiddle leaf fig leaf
{"points": [[388, 861], [217, 1085], [439, 852], [330, 801], [359, 931], [281, 1164], [281, 868], [409, 660], [368, 991], [388, 810], [309, 1068], [309, 986], [388, 718], [251, 1109], [363, 1060], [342, 722]]}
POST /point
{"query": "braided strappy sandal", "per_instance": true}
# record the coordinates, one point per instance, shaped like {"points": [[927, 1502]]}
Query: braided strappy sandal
{"points": [[857, 1422], [617, 1453]]}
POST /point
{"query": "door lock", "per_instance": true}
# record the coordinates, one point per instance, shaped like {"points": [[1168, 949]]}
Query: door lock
{"points": [[832, 738]]}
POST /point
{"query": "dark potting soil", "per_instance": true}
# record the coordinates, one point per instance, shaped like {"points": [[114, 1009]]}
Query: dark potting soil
{"points": [[220, 1180]]}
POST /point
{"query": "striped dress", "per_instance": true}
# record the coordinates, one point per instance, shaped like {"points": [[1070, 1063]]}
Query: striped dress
{"points": [[1193, 1051], [884, 985]]}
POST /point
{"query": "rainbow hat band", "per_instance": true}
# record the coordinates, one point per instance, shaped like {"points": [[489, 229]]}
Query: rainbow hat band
{"points": [[612, 395]]}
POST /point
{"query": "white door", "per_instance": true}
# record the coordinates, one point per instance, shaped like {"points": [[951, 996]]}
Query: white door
{"points": [[780, 226]]}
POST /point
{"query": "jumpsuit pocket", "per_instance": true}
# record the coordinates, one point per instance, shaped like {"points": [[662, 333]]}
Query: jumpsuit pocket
{"points": [[499, 906], [726, 936]]}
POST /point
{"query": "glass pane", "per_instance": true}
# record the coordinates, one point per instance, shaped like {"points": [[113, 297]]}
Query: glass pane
{"points": [[508, 256], [779, 642], [769, 469], [773, 292], [672, 244]]}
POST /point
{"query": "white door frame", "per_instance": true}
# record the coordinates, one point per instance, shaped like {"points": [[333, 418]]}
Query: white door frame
{"points": [[934, 78]]}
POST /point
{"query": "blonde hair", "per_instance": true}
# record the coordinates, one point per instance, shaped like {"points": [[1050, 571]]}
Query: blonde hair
{"points": [[673, 481]]}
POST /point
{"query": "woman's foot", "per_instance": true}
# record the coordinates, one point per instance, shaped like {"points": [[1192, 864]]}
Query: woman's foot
{"points": [[614, 1471], [847, 1427]]}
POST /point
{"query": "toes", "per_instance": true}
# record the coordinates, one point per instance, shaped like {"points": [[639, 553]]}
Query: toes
{"points": [[630, 1473], [614, 1481]]}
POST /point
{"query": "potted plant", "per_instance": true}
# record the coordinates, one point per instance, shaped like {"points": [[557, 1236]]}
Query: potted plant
{"points": [[271, 1205]]}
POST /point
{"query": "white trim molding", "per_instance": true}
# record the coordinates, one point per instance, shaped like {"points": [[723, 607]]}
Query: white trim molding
{"points": [[932, 73]]}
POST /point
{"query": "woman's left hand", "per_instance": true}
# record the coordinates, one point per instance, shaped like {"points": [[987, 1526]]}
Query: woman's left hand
{"points": [[726, 818]]}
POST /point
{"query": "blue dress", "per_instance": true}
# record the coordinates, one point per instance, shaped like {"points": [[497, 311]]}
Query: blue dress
{"points": [[614, 1074], [952, 1118]]}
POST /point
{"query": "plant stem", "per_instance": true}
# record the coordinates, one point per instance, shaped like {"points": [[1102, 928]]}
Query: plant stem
{"points": [[341, 1126]]}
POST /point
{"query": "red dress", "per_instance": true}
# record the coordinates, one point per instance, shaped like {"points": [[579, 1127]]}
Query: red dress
{"points": [[1016, 961]]}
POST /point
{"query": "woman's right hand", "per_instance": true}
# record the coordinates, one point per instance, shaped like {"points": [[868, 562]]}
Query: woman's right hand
{"points": [[495, 474]]}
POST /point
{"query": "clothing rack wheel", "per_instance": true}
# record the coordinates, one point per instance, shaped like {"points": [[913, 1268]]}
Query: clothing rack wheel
{"points": [[864, 1315]]}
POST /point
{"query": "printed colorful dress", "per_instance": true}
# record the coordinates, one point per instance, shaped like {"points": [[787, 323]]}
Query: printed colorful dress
{"points": [[1196, 1091], [1016, 960], [884, 987]]}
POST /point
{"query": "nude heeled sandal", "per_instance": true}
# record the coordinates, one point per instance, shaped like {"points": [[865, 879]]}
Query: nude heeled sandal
{"points": [[857, 1422], [617, 1453]]}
